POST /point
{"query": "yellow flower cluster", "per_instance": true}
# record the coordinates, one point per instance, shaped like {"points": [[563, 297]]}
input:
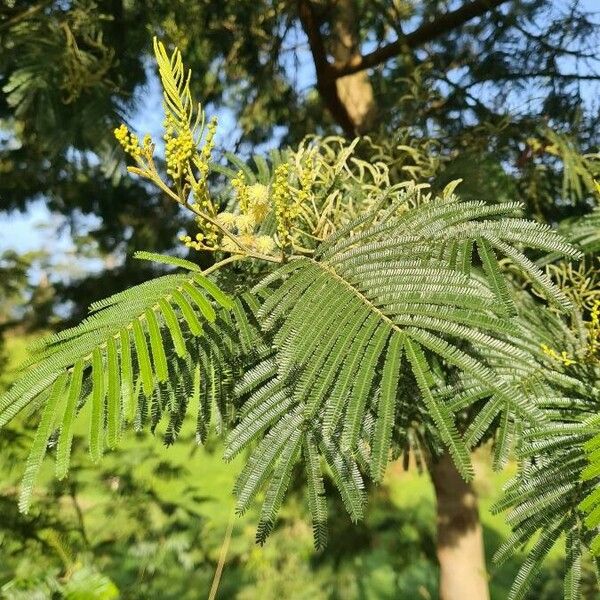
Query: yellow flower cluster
{"points": [[258, 202], [554, 355], [203, 160], [200, 190], [227, 220], [209, 233], [264, 244], [243, 226], [129, 141], [306, 180], [179, 147], [196, 244], [244, 223], [261, 243], [238, 183], [285, 212], [253, 200]]}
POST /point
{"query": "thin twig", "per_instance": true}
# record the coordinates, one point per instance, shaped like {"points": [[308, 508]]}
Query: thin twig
{"points": [[222, 556]]}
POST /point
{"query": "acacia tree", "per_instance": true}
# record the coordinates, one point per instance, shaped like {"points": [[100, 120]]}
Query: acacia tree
{"points": [[345, 320]]}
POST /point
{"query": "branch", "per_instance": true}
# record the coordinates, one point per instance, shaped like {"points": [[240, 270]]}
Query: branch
{"points": [[426, 33], [537, 74], [326, 75], [26, 14], [551, 48]]}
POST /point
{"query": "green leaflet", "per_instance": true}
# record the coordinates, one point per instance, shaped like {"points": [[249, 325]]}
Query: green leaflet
{"points": [[221, 298], [174, 327], [113, 394], [127, 382], [247, 336], [328, 339], [38, 448], [360, 391], [208, 312], [341, 345], [503, 439], [530, 568], [97, 409], [174, 261], [346, 477], [386, 407], [572, 581], [317, 502], [273, 408], [278, 485], [159, 357], [338, 398], [494, 275], [188, 313], [65, 439], [550, 290], [482, 421], [143, 358], [263, 459], [23, 392], [439, 412]]}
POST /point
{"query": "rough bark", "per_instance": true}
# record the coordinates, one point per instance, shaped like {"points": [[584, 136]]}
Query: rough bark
{"points": [[460, 547], [326, 80], [427, 32], [349, 99], [354, 91]]}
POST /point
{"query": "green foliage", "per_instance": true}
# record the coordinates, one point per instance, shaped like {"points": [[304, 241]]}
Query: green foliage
{"points": [[339, 322], [117, 359], [585, 231], [72, 69], [545, 497]]}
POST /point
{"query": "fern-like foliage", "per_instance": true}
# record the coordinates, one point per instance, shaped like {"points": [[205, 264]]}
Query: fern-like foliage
{"points": [[546, 498], [585, 231], [139, 354], [385, 303]]}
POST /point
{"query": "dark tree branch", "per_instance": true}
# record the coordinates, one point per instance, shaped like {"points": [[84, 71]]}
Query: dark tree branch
{"points": [[426, 33], [537, 74], [22, 16], [555, 49], [326, 77]]}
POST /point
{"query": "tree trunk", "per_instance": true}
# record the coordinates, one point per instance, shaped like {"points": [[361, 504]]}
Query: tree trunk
{"points": [[354, 91], [349, 99], [460, 549]]}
